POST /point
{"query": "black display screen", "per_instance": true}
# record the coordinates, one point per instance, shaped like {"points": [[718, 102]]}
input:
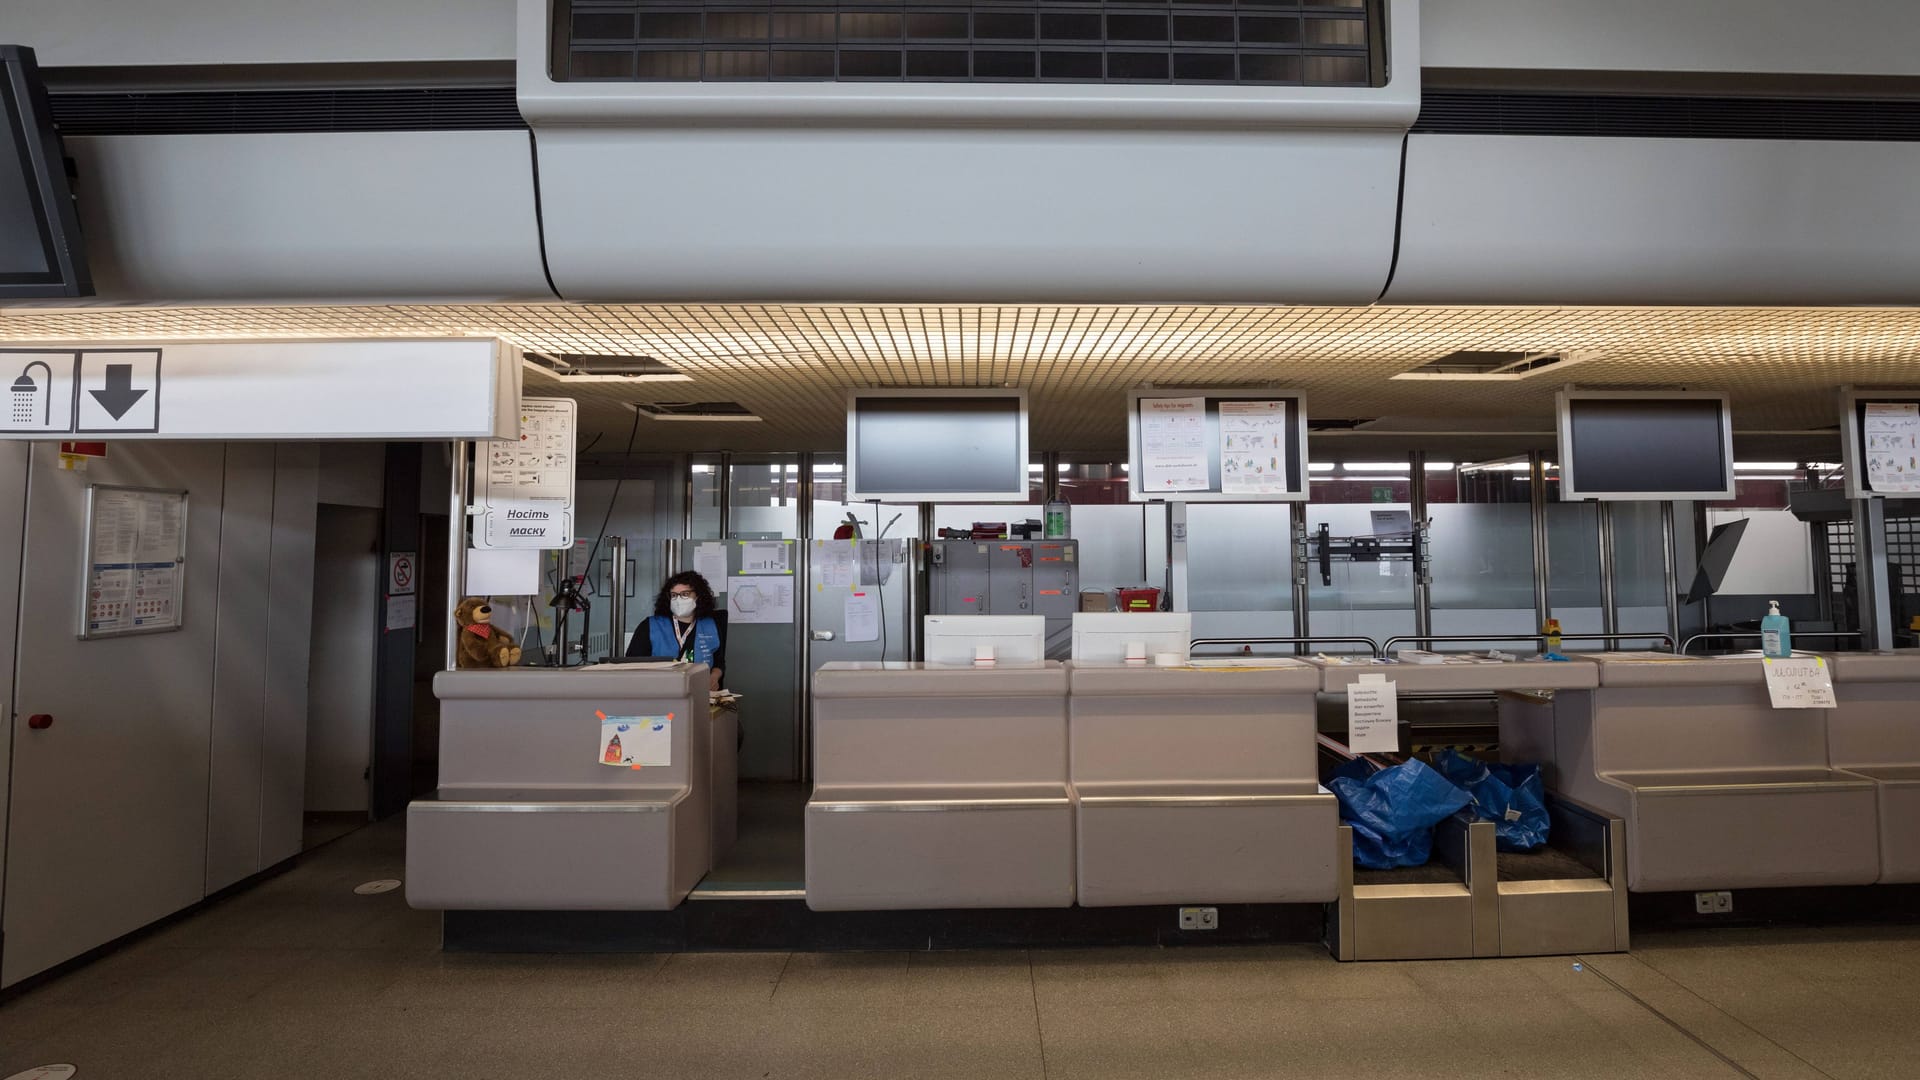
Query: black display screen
{"points": [[39, 232], [939, 445], [1650, 446]]}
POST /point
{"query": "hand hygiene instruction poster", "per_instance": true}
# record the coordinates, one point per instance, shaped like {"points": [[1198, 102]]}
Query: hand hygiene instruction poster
{"points": [[1253, 447], [1173, 444], [1892, 435]]}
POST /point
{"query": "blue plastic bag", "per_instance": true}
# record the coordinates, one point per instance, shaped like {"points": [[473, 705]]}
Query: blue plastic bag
{"points": [[1513, 797], [1393, 811]]}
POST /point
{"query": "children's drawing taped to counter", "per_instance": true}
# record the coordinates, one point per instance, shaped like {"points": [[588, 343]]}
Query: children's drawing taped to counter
{"points": [[635, 741]]}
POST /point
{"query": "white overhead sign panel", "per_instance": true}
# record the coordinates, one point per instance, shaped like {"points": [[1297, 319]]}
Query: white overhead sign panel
{"points": [[459, 388]]}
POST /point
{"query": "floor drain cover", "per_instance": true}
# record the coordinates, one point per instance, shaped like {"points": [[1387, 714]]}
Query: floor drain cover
{"points": [[45, 1072], [372, 887]]}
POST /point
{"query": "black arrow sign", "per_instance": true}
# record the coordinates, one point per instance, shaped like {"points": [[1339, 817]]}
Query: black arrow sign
{"points": [[119, 395]]}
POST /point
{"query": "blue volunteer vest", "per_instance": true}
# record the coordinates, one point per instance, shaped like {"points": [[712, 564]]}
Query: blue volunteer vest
{"points": [[706, 638]]}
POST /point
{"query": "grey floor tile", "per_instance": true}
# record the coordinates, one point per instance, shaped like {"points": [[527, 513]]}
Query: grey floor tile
{"points": [[500, 982], [1115, 1042], [1100, 976], [988, 978], [1726, 1034], [850, 981], [720, 978], [1253, 973]]}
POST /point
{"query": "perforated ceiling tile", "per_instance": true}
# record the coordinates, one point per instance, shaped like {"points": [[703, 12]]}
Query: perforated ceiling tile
{"points": [[791, 365]]}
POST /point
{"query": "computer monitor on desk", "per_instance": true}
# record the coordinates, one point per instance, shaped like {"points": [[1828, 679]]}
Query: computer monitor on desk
{"points": [[1111, 635], [971, 640]]}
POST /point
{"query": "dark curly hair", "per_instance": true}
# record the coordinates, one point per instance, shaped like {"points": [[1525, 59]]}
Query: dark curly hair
{"points": [[702, 595]]}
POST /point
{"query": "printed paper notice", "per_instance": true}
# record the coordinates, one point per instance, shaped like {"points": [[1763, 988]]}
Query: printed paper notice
{"points": [[764, 557], [752, 599], [1373, 716], [1799, 682], [1892, 435], [863, 617], [1253, 447], [631, 742], [836, 563], [710, 562], [400, 612], [1173, 444], [135, 577]]}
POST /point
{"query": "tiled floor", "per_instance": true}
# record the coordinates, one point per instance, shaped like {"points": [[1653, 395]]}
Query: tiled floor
{"points": [[300, 977]]}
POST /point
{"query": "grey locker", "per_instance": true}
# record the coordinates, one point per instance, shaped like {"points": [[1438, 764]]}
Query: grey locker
{"points": [[1008, 577]]}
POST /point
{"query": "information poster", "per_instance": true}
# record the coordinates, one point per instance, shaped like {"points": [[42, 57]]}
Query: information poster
{"points": [[1799, 682], [760, 599], [1892, 436], [1173, 444], [136, 555], [764, 557], [834, 563], [526, 486], [1373, 715], [863, 617], [1253, 447]]}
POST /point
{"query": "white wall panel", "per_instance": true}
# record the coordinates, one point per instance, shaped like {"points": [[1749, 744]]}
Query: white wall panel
{"points": [[114, 32], [240, 665], [13, 517], [108, 826], [324, 216], [1855, 37], [1493, 219], [283, 722]]}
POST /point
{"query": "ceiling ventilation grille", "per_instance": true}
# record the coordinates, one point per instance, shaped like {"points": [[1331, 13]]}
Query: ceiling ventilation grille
{"points": [[1473, 364], [695, 410]]}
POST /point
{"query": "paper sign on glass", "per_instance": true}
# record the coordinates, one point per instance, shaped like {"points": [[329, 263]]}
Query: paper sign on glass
{"points": [[710, 562], [764, 557], [863, 617], [634, 741], [1253, 447], [1799, 682], [1173, 451], [753, 599], [1373, 716]]}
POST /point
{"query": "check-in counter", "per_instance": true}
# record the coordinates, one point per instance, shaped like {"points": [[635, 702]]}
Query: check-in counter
{"points": [[1718, 789], [939, 787], [1875, 732], [1472, 899], [1199, 785], [528, 817]]}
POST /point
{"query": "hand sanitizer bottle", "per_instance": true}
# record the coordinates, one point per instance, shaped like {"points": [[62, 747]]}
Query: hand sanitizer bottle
{"points": [[1775, 639]]}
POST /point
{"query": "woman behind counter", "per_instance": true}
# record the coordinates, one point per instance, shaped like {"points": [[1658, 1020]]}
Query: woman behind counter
{"points": [[684, 625]]}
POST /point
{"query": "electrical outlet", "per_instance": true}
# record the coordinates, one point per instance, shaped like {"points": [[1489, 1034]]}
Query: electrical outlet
{"points": [[1199, 918], [1713, 903]]}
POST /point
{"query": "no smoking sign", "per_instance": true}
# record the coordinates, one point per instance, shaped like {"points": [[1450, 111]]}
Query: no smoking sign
{"points": [[402, 568]]}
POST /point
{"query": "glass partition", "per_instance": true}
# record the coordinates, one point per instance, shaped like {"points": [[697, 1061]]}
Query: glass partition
{"points": [[1639, 572], [1482, 551], [1371, 599]]}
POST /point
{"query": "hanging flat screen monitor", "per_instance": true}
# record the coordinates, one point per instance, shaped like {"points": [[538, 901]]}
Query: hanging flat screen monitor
{"points": [[937, 446], [1216, 446], [1652, 446], [40, 250]]}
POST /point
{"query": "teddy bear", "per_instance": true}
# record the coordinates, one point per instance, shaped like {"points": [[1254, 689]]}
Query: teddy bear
{"points": [[483, 645]]}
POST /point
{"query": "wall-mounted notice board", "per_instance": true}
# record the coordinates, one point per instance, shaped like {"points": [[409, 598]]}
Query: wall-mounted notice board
{"points": [[1216, 445], [135, 580], [1880, 442]]}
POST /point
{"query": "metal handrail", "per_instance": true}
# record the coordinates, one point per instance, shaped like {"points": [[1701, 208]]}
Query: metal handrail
{"points": [[1744, 635], [1324, 639], [1541, 639]]}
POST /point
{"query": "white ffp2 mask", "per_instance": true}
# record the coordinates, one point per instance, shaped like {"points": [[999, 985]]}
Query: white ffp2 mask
{"points": [[681, 606]]}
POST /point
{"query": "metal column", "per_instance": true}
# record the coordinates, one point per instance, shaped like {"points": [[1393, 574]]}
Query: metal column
{"points": [[1419, 565], [461, 473], [1870, 573], [1673, 584], [1297, 516], [723, 487], [1537, 497], [617, 584], [1177, 555], [1609, 612], [803, 620]]}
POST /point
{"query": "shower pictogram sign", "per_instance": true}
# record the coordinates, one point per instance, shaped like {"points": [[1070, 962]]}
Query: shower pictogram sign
{"points": [[39, 390]]}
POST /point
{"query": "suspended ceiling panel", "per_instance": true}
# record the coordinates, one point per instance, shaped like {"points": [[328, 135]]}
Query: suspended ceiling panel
{"points": [[791, 365]]}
